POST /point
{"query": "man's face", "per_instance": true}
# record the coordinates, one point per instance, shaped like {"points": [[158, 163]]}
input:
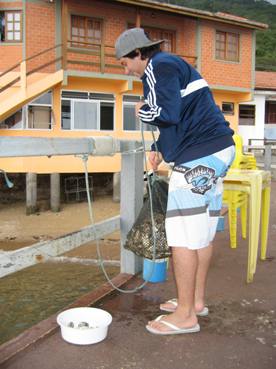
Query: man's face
{"points": [[133, 67]]}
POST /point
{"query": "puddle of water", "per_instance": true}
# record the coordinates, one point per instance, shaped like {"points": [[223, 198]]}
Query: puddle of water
{"points": [[35, 293]]}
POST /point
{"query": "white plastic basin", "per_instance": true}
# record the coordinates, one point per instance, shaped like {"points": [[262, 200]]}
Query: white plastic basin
{"points": [[84, 325]]}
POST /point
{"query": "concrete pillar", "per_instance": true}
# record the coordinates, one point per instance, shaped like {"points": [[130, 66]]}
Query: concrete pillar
{"points": [[55, 192], [132, 183], [116, 186], [31, 193]]}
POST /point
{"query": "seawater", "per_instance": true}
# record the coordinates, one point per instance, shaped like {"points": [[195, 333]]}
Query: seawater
{"points": [[35, 293]]}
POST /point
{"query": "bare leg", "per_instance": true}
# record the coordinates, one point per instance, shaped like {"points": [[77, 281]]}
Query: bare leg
{"points": [[185, 264], [204, 257]]}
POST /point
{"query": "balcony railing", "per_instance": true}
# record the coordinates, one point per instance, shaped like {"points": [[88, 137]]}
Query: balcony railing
{"points": [[74, 55]]}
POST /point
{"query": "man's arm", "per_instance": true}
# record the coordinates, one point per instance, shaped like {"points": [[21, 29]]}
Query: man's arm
{"points": [[162, 106]]}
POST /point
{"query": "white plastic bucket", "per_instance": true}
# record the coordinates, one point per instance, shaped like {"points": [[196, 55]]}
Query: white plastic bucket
{"points": [[84, 325]]}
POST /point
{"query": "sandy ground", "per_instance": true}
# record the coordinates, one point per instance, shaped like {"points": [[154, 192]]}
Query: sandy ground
{"points": [[18, 229]]}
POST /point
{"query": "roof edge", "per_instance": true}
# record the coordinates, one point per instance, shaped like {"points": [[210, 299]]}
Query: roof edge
{"points": [[203, 14]]}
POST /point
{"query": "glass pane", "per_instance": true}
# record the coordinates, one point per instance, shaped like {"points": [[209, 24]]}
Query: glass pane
{"points": [[17, 36], [10, 17], [74, 21], [17, 17], [129, 123], [107, 116], [17, 26], [44, 99], [39, 117], [10, 36], [10, 26], [97, 34], [65, 114], [74, 31], [13, 122], [85, 115], [81, 32]]}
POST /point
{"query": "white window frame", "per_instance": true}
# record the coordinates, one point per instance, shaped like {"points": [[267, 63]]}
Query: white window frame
{"points": [[98, 102], [43, 105]]}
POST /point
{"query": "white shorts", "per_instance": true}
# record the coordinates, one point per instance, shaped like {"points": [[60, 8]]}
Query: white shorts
{"points": [[195, 200]]}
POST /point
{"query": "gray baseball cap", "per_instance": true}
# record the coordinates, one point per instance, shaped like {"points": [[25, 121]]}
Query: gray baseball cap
{"points": [[132, 39]]}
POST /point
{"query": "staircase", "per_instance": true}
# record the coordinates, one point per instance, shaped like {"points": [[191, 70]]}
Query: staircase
{"points": [[17, 88]]}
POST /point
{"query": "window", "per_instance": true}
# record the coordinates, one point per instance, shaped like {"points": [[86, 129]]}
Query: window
{"points": [[270, 112], [227, 46], [228, 108], [35, 115], [86, 32], [15, 121], [87, 111], [10, 26], [160, 34], [39, 112], [247, 115], [130, 121]]}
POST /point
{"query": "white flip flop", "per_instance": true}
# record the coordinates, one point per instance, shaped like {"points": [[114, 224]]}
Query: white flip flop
{"points": [[174, 328], [203, 312]]}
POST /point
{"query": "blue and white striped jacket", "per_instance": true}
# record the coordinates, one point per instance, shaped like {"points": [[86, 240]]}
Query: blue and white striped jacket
{"points": [[179, 101]]}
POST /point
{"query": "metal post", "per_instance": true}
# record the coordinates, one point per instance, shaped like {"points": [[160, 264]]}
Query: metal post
{"points": [[268, 157], [31, 193], [55, 192], [131, 202], [116, 187]]}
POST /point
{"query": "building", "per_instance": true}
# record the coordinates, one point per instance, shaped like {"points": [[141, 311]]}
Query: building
{"points": [[60, 78], [257, 118]]}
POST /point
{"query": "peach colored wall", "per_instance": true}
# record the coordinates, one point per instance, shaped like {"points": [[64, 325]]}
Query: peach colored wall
{"points": [[236, 98]]}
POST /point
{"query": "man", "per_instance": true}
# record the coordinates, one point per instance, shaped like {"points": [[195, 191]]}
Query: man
{"points": [[194, 136]]}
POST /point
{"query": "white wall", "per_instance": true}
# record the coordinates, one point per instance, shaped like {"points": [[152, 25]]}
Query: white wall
{"points": [[256, 131]]}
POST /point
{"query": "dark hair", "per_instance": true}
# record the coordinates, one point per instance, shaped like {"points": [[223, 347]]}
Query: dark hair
{"points": [[146, 52]]}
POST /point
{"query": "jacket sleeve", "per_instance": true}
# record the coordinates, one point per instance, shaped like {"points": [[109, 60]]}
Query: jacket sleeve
{"points": [[163, 102]]}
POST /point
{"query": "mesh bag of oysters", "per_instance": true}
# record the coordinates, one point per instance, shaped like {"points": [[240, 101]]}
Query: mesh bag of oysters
{"points": [[140, 238]]}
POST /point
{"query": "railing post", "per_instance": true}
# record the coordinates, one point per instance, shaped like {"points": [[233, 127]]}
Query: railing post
{"points": [[64, 14], [132, 183], [267, 157], [102, 58], [23, 75]]}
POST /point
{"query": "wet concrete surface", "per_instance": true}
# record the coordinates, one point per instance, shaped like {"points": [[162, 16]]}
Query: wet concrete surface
{"points": [[240, 331]]}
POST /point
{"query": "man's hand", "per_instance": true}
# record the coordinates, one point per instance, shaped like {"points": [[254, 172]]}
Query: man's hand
{"points": [[138, 107], [155, 158]]}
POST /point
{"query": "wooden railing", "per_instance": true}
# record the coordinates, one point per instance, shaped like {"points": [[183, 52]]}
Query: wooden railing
{"points": [[23, 70], [102, 52], [103, 59]]}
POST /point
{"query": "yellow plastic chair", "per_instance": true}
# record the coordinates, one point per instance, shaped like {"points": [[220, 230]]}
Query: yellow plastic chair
{"points": [[256, 184], [235, 199], [243, 160]]}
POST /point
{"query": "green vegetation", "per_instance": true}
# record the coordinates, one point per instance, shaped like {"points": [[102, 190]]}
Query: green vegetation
{"points": [[255, 10]]}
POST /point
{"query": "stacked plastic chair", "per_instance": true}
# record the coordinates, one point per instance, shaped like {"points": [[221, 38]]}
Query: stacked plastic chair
{"points": [[243, 160], [236, 200]]}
